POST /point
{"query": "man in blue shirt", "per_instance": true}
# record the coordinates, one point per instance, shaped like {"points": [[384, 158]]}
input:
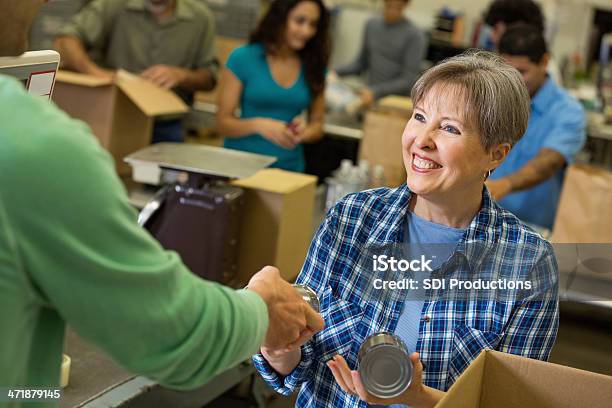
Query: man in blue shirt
{"points": [[528, 183]]}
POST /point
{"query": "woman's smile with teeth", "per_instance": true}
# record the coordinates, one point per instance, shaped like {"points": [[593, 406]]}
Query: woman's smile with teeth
{"points": [[424, 163]]}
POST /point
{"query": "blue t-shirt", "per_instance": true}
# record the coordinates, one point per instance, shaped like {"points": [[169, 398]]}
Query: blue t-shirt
{"points": [[263, 97], [557, 122], [419, 233]]}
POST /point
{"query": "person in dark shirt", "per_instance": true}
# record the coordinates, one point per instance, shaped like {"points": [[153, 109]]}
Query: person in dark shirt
{"points": [[391, 53]]}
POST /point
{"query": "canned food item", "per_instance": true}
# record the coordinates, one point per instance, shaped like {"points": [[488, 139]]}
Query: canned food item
{"points": [[384, 365], [309, 296]]}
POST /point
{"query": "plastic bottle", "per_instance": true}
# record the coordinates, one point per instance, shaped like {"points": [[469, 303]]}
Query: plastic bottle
{"points": [[378, 177], [342, 172], [364, 168], [331, 193], [354, 181]]}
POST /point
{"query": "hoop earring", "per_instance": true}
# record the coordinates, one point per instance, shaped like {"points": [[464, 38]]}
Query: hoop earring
{"points": [[488, 174]]}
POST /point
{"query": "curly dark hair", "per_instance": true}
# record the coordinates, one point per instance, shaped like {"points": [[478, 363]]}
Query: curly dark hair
{"points": [[514, 11], [314, 55]]}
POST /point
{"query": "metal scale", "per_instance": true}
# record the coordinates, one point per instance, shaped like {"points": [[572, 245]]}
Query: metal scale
{"points": [[196, 212]]}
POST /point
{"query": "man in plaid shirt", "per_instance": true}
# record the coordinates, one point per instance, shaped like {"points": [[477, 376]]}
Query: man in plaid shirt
{"points": [[451, 331]]}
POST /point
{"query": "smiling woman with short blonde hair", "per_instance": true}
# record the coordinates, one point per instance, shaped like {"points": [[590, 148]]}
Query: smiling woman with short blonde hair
{"points": [[468, 113]]}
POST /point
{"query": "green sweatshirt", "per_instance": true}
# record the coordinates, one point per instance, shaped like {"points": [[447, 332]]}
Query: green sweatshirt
{"points": [[71, 251]]}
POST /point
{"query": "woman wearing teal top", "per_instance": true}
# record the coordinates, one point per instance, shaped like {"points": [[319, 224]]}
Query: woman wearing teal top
{"points": [[273, 79]]}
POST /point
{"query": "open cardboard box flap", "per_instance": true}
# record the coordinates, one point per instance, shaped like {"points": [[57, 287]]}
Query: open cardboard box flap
{"points": [[150, 99], [501, 380], [76, 78]]}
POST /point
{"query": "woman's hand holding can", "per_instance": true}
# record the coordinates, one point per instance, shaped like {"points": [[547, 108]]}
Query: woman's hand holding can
{"points": [[416, 395]]}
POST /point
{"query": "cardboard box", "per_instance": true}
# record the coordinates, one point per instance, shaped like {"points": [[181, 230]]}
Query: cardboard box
{"points": [[120, 112], [276, 223], [382, 144], [582, 234], [584, 214], [394, 104], [500, 380]]}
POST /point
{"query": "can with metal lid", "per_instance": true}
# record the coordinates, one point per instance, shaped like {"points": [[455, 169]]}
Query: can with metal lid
{"points": [[384, 365], [309, 296]]}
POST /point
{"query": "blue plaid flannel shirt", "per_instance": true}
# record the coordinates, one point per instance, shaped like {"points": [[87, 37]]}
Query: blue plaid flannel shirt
{"points": [[451, 333]]}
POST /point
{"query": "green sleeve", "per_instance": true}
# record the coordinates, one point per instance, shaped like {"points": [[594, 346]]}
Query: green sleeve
{"points": [[86, 256], [93, 23]]}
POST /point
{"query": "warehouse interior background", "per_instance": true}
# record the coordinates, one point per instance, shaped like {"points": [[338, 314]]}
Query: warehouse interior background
{"points": [[579, 34]]}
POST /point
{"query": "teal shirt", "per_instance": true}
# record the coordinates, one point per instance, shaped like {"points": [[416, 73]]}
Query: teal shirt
{"points": [[71, 251], [263, 97]]}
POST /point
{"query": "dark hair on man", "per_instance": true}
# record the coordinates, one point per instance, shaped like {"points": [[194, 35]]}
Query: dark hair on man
{"points": [[522, 39], [514, 11], [315, 54]]}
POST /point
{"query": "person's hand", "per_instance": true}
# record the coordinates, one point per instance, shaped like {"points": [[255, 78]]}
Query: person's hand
{"points": [[298, 128], [332, 76], [278, 132], [292, 320], [367, 97], [499, 188], [164, 76], [350, 381]]}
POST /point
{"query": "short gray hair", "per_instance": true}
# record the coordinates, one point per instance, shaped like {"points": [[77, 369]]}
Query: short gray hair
{"points": [[496, 98]]}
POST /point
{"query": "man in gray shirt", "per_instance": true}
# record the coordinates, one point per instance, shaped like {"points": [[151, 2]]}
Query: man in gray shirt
{"points": [[391, 54], [169, 42]]}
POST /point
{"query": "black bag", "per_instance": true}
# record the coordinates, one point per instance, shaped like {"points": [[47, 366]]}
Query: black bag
{"points": [[201, 224]]}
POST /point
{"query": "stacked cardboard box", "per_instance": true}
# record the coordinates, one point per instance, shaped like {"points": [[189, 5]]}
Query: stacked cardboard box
{"points": [[276, 223], [382, 140]]}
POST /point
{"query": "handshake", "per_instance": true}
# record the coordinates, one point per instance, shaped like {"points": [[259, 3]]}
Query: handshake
{"points": [[291, 319]]}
